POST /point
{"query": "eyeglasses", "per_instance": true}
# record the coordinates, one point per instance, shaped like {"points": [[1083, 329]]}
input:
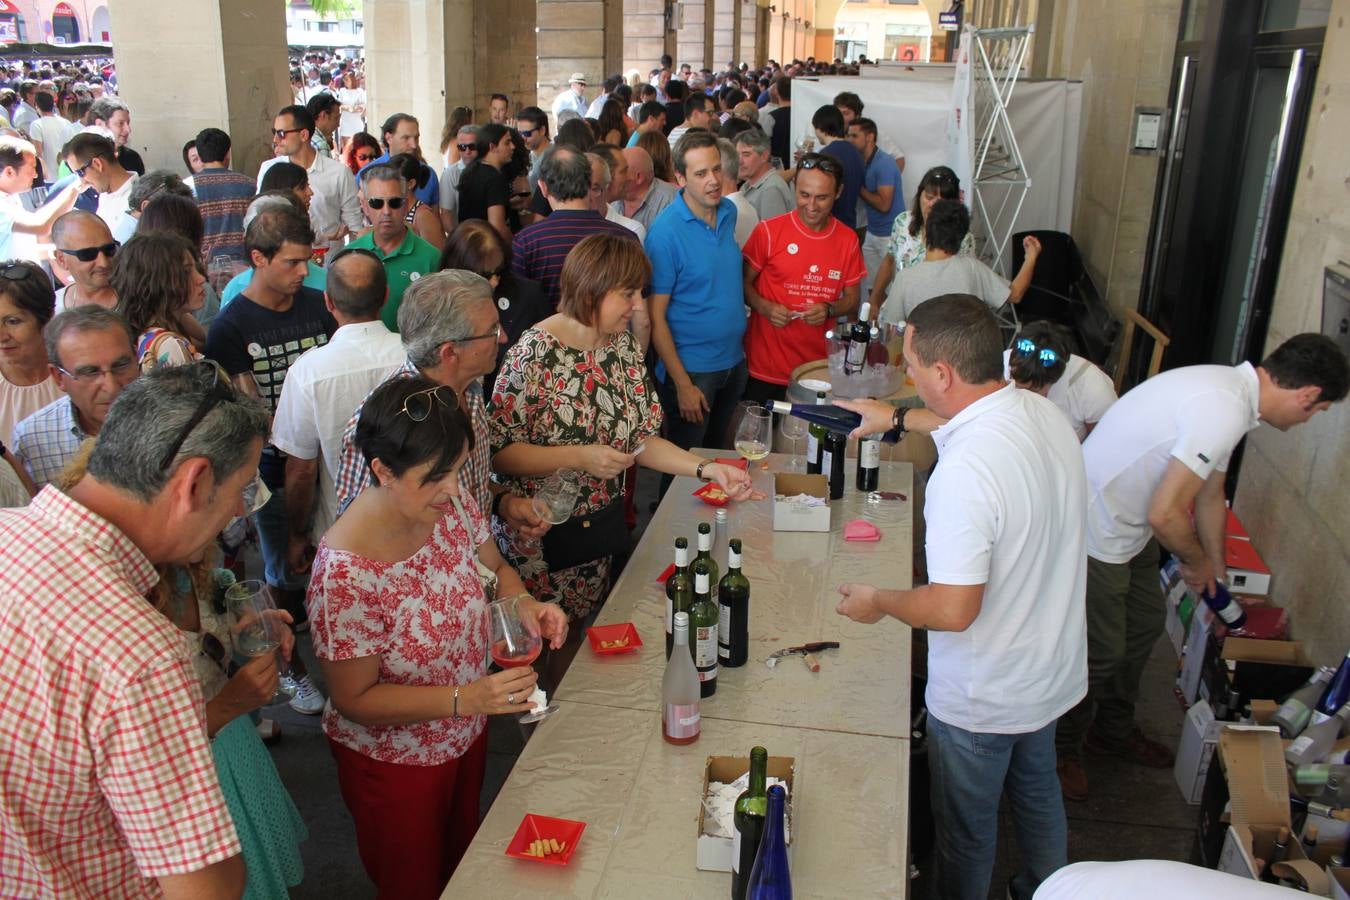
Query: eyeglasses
{"points": [[466, 148], [221, 392], [495, 334], [89, 254], [79, 173], [418, 406], [379, 202], [280, 133], [1027, 347], [89, 374]]}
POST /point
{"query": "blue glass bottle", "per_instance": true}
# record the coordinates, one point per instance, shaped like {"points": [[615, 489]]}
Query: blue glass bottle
{"points": [[1336, 695], [1227, 609], [770, 878]]}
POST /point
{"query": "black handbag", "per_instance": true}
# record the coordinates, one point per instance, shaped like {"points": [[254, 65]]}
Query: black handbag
{"points": [[583, 539]]}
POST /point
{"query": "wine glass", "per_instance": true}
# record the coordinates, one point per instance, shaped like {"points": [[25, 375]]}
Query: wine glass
{"points": [[220, 271], [514, 643], [794, 429], [753, 435], [255, 627], [556, 498]]}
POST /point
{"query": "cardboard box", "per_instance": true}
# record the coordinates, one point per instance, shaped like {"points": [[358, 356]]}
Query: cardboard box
{"points": [[1193, 655], [1199, 737], [1253, 759], [1247, 572], [1234, 528], [792, 517], [714, 853], [1265, 670]]}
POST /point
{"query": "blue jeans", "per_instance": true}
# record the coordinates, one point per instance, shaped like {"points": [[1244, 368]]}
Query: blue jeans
{"points": [[970, 771], [273, 531], [723, 391]]}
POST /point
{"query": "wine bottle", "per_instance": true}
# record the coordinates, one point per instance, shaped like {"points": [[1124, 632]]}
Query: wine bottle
{"points": [[869, 463], [1310, 840], [855, 356], [770, 878], [1315, 742], [815, 434], [1336, 695], [703, 630], [833, 418], [751, 808], [679, 590], [679, 689], [1278, 854], [1223, 604], [832, 462], [719, 543], [705, 554], [1316, 776], [877, 352], [733, 606], [1296, 710]]}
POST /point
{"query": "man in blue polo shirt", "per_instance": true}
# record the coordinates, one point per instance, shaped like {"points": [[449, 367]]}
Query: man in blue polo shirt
{"points": [[697, 303], [400, 133], [881, 196]]}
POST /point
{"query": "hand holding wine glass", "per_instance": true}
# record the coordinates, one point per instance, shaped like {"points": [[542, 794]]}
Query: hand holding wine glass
{"points": [[258, 628], [515, 642]]}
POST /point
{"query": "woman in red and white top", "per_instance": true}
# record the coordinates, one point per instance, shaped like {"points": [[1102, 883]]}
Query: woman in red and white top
{"points": [[398, 616]]}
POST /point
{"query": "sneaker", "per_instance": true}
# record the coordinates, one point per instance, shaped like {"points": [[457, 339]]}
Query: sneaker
{"points": [[1072, 778], [1137, 748], [307, 698]]}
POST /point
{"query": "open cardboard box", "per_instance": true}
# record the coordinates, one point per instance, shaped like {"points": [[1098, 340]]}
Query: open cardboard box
{"points": [[1253, 757], [792, 517], [1265, 670], [714, 853], [1199, 737]]}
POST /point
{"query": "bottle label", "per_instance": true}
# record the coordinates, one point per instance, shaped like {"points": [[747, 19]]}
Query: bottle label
{"points": [[1318, 717], [735, 851], [670, 615], [705, 540], [1230, 613], [705, 652], [724, 631], [682, 720], [826, 462], [733, 559], [812, 447], [1300, 746], [869, 452], [681, 557]]}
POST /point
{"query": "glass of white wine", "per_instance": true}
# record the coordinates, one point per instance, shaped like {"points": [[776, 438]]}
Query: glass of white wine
{"points": [[557, 497], [753, 436], [255, 628]]}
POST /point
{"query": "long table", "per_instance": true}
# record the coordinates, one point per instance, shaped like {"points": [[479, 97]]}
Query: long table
{"points": [[601, 758]]}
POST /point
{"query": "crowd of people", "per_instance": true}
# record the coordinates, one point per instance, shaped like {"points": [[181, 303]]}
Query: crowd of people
{"points": [[372, 359]]}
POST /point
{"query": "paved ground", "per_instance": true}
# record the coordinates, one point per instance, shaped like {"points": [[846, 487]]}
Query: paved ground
{"points": [[1133, 812]]}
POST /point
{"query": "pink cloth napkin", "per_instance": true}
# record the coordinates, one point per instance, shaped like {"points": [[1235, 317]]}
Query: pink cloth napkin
{"points": [[861, 530]]}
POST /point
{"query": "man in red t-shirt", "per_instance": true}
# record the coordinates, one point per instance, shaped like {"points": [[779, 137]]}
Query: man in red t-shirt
{"points": [[801, 270]]}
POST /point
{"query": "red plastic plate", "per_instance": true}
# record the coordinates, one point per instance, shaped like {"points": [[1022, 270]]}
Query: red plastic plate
{"points": [[533, 828], [739, 462], [601, 634], [712, 494]]}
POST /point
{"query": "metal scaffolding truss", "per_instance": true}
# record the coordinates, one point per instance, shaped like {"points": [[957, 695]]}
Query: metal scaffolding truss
{"points": [[1000, 180]]}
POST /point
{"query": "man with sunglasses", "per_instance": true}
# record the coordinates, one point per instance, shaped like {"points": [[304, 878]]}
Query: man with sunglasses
{"points": [[532, 123], [406, 256], [334, 210], [85, 249], [92, 357], [466, 142], [93, 159]]}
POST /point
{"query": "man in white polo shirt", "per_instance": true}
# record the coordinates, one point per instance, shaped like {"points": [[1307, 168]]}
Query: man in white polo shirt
{"points": [[1159, 452], [1004, 602]]}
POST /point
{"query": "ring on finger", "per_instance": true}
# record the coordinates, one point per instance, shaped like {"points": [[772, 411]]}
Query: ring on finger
{"points": [[510, 699]]}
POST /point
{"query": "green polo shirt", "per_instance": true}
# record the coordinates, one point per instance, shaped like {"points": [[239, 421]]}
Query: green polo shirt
{"points": [[413, 259]]}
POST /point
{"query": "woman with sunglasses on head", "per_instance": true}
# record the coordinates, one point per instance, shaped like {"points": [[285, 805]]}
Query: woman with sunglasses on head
{"points": [[27, 304], [573, 393], [521, 302], [422, 219], [159, 284], [908, 238], [192, 597], [398, 616], [1039, 360], [361, 151], [460, 117]]}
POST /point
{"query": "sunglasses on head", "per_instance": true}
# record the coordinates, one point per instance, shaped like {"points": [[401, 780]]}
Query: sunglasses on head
{"points": [[394, 202], [16, 272], [823, 163], [89, 254], [1027, 347], [221, 392], [418, 406]]}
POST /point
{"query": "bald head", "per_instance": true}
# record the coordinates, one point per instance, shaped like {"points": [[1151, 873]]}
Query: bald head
{"points": [[78, 231], [640, 171], [357, 285], [77, 224]]}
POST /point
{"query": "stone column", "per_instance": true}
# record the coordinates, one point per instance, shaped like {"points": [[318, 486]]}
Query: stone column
{"points": [[690, 45], [503, 54], [724, 34], [420, 61], [210, 63], [644, 34], [570, 37]]}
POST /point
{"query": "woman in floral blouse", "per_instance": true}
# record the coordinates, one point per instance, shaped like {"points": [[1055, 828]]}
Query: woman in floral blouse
{"points": [[398, 616], [573, 393], [908, 245]]}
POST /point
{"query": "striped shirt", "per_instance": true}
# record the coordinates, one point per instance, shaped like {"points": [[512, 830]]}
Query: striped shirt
{"points": [[106, 774], [223, 196], [538, 252], [354, 475], [48, 439]]}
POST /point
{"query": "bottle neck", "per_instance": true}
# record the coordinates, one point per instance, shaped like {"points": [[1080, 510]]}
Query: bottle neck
{"points": [[733, 561], [681, 557], [759, 764], [681, 635]]}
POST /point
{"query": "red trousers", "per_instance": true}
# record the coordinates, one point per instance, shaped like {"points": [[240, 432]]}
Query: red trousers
{"points": [[413, 823]]}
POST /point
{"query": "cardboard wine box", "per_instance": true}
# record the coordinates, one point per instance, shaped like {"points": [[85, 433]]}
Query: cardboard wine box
{"points": [[714, 853]]}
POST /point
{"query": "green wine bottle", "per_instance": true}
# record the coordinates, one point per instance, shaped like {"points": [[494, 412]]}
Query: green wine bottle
{"points": [[815, 438], [705, 543], [733, 606], [679, 590], [703, 630], [751, 807]]}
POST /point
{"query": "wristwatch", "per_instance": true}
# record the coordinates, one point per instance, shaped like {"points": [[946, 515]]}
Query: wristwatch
{"points": [[698, 473]]}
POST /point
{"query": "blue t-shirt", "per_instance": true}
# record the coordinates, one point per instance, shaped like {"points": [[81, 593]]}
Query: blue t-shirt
{"points": [[846, 207], [701, 271], [882, 171]]}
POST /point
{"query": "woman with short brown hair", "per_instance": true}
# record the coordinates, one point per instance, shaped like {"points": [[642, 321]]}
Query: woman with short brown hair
{"points": [[574, 393]]}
